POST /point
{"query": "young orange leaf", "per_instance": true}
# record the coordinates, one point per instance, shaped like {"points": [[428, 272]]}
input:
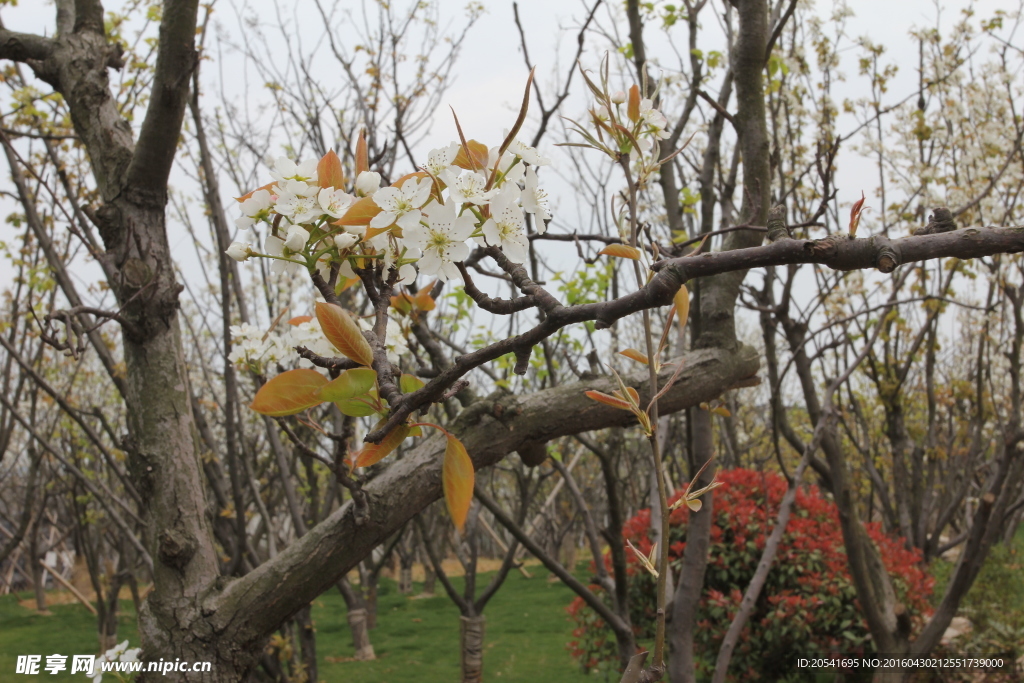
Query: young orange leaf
{"points": [[373, 453], [633, 108], [402, 303], [360, 213], [479, 153], [289, 393], [609, 400], [457, 476], [407, 176], [855, 211], [328, 171], [633, 395], [373, 232], [721, 410], [299, 319], [423, 300], [345, 282], [622, 251], [682, 301], [362, 157], [635, 355], [249, 194], [342, 331]]}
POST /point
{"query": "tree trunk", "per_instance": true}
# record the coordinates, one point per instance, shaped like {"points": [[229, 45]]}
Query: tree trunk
{"points": [[695, 560], [371, 602], [405, 579], [471, 640], [307, 639], [429, 580], [34, 566], [108, 627], [360, 635]]}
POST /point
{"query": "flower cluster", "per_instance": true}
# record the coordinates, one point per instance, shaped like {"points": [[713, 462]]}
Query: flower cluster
{"points": [[808, 602], [423, 221], [623, 125], [118, 653], [257, 350]]}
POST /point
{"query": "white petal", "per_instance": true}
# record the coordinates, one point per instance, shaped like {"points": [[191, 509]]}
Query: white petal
{"points": [[409, 220], [382, 219], [273, 246]]}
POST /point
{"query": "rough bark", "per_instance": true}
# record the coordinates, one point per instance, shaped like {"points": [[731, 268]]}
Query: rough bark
{"points": [[471, 641]]}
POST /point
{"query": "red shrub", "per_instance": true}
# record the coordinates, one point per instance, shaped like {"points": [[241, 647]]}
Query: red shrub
{"points": [[808, 604]]}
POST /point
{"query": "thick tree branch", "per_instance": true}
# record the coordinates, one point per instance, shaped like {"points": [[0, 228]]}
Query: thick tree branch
{"points": [[837, 252], [256, 604], [158, 139], [24, 47]]}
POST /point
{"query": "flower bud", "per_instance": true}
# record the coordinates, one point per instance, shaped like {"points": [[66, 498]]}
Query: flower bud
{"points": [[618, 97], [345, 240], [367, 183], [296, 238], [238, 251]]}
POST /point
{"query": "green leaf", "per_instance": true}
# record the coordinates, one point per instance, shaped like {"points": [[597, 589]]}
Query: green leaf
{"points": [[359, 406], [410, 383], [349, 384]]}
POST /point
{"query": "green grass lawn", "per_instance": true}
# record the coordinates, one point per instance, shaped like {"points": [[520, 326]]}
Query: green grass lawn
{"points": [[416, 640]]}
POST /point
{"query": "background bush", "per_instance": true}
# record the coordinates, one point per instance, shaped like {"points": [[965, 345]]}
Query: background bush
{"points": [[808, 604]]}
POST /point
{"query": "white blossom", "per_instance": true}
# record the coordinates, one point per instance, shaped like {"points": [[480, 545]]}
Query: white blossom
{"points": [[655, 120], [468, 187], [254, 209], [401, 205], [239, 251], [367, 183], [334, 202], [118, 653], [298, 208], [343, 240], [275, 246], [442, 240], [535, 200], [510, 168], [528, 154], [439, 160], [505, 228], [286, 169], [296, 238]]}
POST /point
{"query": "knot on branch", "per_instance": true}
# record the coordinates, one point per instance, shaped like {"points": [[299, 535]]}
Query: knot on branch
{"points": [[888, 258], [115, 56], [940, 220], [176, 548], [777, 228], [826, 247], [533, 453]]}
